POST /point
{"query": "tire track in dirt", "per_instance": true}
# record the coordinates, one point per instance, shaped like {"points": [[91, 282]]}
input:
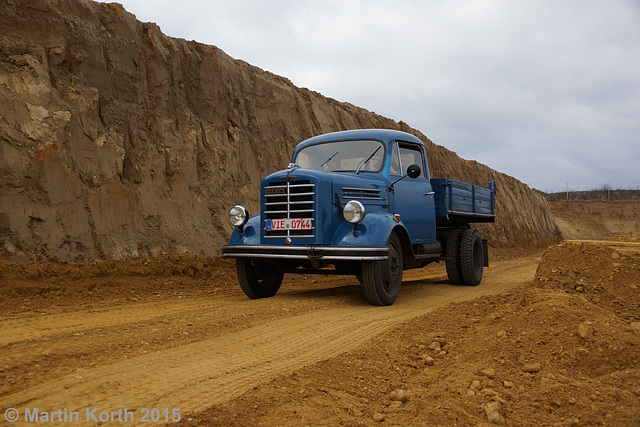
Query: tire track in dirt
{"points": [[33, 328], [198, 375]]}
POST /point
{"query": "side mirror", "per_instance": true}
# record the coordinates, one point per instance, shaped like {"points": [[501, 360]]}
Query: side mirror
{"points": [[413, 171]]}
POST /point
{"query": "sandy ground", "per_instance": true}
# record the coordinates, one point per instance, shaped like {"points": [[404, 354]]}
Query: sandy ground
{"points": [[595, 219], [546, 339]]}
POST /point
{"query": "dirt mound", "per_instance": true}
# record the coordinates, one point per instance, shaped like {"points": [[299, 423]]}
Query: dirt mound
{"points": [[605, 273], [41, 285], [564, 351], [595, 219], [121, 142], [163, 266]]}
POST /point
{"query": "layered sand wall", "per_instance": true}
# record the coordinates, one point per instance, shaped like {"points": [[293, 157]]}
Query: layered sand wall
{"points": [[117, 141]]}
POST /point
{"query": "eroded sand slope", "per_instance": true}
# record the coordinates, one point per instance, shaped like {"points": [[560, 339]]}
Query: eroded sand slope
{"points": [[121, 142]]}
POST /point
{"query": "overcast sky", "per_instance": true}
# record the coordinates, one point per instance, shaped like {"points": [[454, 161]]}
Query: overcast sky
{"points": [[547, 91]]}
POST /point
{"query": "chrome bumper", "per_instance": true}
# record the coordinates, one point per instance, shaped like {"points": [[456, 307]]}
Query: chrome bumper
{"points": [[324, 253]]}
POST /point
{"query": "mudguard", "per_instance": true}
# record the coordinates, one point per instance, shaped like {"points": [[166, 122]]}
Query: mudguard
{"points": [[250, 234], [373, 230]]}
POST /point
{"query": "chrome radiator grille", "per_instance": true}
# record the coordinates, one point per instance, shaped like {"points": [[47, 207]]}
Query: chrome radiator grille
{"points": [[289, 200]]}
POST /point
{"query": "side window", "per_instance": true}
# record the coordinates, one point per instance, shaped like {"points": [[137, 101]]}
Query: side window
{"points": [[395, 161], [410, 155]]}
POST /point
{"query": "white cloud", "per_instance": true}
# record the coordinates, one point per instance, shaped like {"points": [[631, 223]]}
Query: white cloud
{"points": [[546, 91]]}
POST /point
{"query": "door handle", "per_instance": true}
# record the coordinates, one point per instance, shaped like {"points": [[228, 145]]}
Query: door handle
{"points": [[430, 193]]}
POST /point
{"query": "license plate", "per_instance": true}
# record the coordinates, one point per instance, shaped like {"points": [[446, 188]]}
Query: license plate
{"points": [[289, 224]]}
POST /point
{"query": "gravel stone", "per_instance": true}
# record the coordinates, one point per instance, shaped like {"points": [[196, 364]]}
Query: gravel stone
{"points": [[585, 330], [379, 417], [489, 373], [476, 385], [492, 409], [532, 367], [399, 395]]}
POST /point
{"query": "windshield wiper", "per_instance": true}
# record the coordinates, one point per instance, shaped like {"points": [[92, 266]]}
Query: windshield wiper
{"points": [[368, 158], [328, 160]]}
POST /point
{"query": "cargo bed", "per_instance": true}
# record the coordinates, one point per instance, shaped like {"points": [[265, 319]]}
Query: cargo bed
{"points": [[461, 202]]}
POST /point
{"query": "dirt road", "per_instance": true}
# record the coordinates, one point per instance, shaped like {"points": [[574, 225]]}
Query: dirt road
{"points": [[179, 349]]}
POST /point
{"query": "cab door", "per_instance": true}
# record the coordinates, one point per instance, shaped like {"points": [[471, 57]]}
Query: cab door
{"points": [[413, 197]]}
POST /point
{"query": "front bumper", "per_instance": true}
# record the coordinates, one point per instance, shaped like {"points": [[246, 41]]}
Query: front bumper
{"points": [[323, 253]]}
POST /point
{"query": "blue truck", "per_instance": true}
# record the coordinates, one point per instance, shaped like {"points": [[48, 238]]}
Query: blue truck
{"points": [[361, 203]]}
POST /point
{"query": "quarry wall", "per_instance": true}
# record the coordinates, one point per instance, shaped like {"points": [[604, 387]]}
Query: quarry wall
{"points": [[117, 141]]}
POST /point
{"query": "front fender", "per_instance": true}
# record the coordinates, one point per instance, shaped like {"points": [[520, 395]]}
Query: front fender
{"points": [[373, 230], [250, 233]]}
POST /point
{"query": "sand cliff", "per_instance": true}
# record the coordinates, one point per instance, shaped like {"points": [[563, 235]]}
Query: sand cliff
{"points": [[117, 141]]}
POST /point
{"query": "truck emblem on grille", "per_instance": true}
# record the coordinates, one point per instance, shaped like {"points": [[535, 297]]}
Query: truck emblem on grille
{"points": [[276, 190]]}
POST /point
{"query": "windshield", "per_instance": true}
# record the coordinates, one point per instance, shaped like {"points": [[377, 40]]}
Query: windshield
{"points": [[342, 156]]}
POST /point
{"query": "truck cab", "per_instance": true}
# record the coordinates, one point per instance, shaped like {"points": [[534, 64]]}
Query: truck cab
{"points": [[359, 203]]}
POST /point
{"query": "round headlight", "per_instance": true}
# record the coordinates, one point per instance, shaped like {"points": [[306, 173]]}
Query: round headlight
{"points": [[353, 211], [238, 216]]}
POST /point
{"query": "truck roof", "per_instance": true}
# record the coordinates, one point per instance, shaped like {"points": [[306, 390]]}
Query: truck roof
{"points": [[384, 135]]}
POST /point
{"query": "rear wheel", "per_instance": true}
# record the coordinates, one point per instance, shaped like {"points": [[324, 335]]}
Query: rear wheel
{"points": [[471, 257], [382, 279], [258, 280], [452, 252]]}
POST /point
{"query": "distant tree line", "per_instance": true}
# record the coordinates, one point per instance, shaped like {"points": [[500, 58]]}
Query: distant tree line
{"points": [[603, 193]]}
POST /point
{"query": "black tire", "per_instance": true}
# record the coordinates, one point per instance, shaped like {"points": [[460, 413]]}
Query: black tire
{"points": [[382, 279], [452, 252], [259, 280], [471, 257]]}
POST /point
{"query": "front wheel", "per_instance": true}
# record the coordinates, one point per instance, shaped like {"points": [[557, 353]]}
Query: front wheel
{"points": [[258, 280], [382, 279]]}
